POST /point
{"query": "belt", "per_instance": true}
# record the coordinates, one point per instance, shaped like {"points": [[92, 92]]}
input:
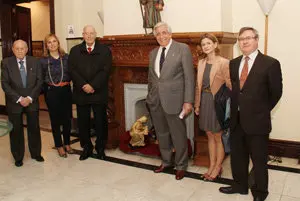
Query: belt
{"points": [[61, 84], [206, 90]]}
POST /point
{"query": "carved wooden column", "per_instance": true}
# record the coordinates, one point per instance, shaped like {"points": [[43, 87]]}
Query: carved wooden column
{"points": [[130, 61]]}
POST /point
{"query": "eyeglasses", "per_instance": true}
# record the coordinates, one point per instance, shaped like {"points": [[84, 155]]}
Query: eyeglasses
{"points": [[248, 38]]}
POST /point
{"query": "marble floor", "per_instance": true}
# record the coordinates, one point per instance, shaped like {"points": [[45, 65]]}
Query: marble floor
{"points": [[67, 179]]}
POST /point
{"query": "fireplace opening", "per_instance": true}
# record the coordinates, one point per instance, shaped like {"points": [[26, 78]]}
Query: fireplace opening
{"points": [[135, 107]]}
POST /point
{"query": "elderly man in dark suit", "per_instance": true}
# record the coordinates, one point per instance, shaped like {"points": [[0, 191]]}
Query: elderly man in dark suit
{"points": [[256, 88], [90, 64], [171, 87], [21, 79]]}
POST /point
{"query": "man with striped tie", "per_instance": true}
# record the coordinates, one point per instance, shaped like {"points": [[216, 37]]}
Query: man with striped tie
{"points": [[21, 79]]}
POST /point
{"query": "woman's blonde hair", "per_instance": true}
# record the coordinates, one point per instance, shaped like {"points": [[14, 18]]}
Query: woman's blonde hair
{"points": [[61, 51]]}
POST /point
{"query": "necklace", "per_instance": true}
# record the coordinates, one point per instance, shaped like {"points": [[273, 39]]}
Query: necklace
{"points": [[62, 72]]}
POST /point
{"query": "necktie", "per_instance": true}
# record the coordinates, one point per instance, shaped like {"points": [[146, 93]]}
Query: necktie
{"points": [[89, 50], [23, 73], [162, 59], [244, 73]]}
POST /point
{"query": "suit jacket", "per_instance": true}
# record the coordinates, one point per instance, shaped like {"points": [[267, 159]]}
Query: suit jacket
{"points": [[219, 75], [93, 69], [259, 95], [176, 83], [12, 83]]}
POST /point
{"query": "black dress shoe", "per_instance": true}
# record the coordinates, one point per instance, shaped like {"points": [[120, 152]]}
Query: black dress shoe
{"points": [[39, 158], [258, 199], [87, 152], [230, 190], [162, 168], [101, 154], [19, 163]]}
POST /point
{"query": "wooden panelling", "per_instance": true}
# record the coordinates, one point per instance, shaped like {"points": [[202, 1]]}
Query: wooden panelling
{"points": [[37, 48]]}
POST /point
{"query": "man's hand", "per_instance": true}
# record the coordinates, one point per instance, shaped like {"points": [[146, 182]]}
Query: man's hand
{"points": [[88, 89], [187, 108], [25, 101]]}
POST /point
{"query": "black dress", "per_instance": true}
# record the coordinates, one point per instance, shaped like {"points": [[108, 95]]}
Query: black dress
{"points": [[207, 118]]}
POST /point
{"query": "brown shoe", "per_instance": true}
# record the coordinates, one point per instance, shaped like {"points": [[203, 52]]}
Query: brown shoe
{"points": [[179, 174], [162, 168]]}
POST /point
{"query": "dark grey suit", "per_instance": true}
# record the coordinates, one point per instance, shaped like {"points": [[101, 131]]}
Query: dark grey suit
{"points": [[166, 96], [12, 86]]}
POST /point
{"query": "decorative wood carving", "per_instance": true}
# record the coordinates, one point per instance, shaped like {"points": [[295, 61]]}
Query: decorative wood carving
{"points": [[133, 50]]}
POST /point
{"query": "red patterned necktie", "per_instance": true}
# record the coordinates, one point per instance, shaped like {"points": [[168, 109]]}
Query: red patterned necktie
{"points": [[89, 50], [244, 73]]}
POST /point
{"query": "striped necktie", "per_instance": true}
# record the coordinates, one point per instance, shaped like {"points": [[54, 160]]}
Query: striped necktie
{"points": [[162, 59], [23, 73]]}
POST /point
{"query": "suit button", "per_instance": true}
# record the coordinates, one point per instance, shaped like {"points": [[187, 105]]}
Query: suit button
{"points": [[241, 93]]}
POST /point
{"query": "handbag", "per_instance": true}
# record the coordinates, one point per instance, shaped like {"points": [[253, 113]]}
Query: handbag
{"points": [[226, 132], [221, 105], [225, 140]]}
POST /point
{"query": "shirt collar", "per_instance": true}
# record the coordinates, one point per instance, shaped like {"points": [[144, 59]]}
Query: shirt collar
{"points": [[24, 59], [90, 46], [252, 56]]}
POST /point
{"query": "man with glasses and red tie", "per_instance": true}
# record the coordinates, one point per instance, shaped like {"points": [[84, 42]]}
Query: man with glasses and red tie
{"points": [[256, 88], [21, 79], [90, 64]]}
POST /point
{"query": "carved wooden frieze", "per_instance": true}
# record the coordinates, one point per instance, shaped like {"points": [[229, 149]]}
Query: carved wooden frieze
{"points": [[133, 50]]}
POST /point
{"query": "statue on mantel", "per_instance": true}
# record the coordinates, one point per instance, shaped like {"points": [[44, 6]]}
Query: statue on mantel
{"points": [[151, 12]]}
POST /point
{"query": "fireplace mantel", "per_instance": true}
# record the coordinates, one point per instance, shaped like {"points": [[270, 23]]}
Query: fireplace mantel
{"points": [[133, 50]]}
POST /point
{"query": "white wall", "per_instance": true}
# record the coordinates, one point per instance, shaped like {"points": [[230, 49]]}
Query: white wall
{"points": [[78, 13], [124, 17]]}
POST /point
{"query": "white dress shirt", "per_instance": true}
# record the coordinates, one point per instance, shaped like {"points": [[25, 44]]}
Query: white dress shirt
{"points": [[24, 63], [251, 60], [157, 70], [92, 47]]}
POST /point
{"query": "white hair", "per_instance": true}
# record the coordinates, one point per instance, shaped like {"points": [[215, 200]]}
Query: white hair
{"points": [[160, 24]]}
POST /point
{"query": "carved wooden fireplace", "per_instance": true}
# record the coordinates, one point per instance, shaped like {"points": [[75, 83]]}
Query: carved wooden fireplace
{"points": [[130, 66]]}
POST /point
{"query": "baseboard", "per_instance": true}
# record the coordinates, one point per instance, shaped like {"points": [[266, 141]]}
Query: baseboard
{"points": [[284, 148]]}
